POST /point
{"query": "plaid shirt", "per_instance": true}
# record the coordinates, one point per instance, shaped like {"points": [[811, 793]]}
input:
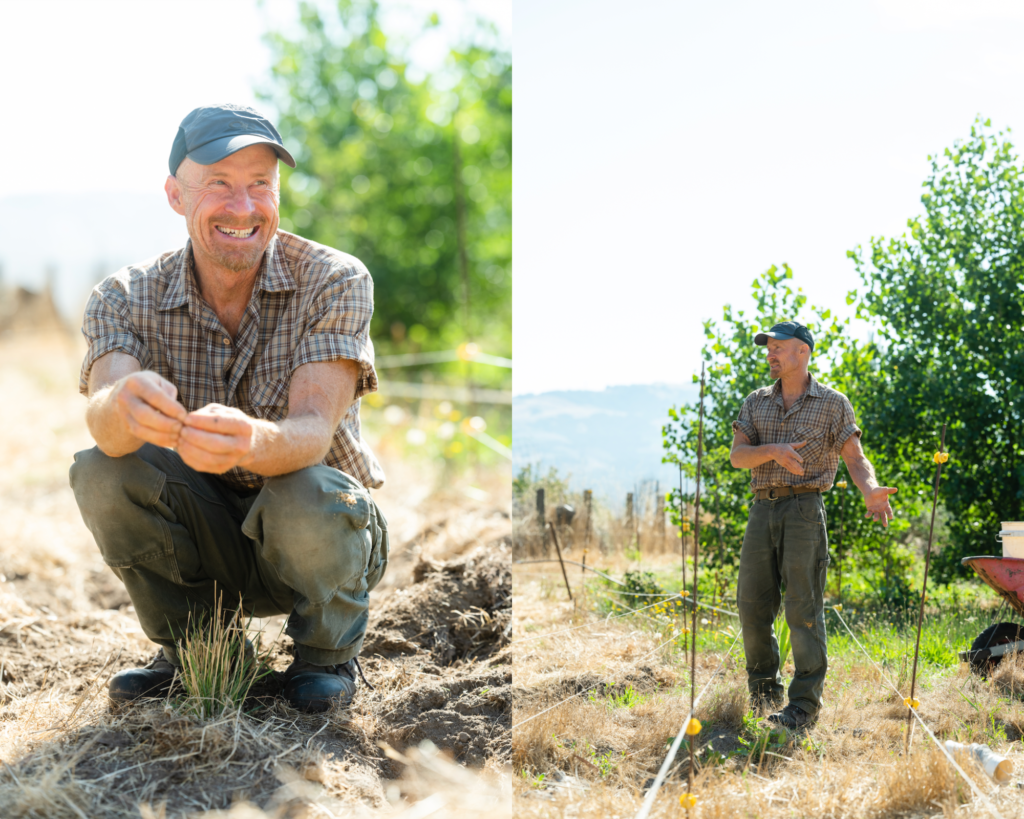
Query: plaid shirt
{"points": [[310, 303], [821, 416]]}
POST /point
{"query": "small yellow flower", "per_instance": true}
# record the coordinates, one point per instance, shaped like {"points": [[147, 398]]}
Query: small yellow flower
{"points": [[687, 800], [693, 727], [940, 457], [914, 703]]}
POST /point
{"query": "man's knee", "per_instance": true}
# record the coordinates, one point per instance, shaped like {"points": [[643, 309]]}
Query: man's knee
{"points": [[317, 527], [116, 497]]}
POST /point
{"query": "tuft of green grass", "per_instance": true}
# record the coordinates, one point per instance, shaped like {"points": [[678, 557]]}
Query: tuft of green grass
{"points": [[218, 666]]}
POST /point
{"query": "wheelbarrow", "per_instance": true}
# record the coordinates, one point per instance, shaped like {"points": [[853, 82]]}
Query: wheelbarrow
{"points": [[1006, 576]]}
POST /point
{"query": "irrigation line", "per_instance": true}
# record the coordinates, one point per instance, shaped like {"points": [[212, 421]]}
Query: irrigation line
{"points": [[595, 685], [652, 794], [573, 562], [924, 583], [927, 730], [585, 625]]}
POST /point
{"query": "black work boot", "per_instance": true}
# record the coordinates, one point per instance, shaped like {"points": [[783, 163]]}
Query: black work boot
{"points": [[153, 680], [311, 687], [792, 717]]}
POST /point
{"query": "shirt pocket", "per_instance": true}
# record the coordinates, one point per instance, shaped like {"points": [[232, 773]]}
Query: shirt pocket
{"points": [[269, 399], [813, 451]]}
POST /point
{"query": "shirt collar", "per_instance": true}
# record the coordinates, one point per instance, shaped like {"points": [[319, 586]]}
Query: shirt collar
{"points": [[813, 389], [274, 276]]}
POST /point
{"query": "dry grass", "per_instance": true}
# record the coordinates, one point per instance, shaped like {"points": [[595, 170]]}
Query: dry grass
{"points": [[596, 755], [66, 626]]}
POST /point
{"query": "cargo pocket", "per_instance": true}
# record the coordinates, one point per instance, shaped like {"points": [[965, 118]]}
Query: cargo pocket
{"points": [[380, 550]]}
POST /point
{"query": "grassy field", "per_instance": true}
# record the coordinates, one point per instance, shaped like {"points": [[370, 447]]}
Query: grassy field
{"points": [[596, 754], [431, 739]]}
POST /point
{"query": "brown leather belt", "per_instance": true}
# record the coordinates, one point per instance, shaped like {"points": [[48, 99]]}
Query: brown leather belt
{"points": [[776, 492]]}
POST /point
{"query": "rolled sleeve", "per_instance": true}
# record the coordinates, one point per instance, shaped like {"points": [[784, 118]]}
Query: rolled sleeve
{"points": [[339, 327], [745, 423], [107, 328], [844, 425]]}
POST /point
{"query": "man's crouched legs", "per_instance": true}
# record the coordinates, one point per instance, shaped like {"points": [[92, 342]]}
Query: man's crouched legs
{"points": [[311, 544]]}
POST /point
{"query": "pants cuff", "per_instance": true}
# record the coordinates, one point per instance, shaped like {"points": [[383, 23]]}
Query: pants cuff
{"points": [[324, 656]]}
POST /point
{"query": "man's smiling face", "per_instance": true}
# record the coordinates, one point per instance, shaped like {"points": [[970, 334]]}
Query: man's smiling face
{"points": [[230, 207], [786, 356]]}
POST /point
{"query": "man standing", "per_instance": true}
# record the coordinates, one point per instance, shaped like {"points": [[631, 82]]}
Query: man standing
{"points": [[224, 381], [790, 435]]}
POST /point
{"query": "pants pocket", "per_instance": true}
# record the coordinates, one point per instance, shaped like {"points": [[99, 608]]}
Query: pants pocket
{"points": [[380, 550]]}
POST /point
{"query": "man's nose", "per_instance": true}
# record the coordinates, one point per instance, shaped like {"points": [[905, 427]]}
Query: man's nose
{"points": [[240, 202]]}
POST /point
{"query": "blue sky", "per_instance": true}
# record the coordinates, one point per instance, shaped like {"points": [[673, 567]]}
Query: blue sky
{"points": [[669, 152]]}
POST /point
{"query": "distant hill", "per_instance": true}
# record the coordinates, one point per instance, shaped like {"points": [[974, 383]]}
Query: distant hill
{"points": [[609, 440]]}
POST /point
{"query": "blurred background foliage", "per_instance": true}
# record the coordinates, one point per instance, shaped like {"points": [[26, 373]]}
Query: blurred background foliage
{"points": [[935, 338], [411, 172]]}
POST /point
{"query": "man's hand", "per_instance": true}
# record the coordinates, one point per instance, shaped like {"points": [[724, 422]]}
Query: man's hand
{"points": [[877, 501], [787, 457], [216, 438], [146, 404]]}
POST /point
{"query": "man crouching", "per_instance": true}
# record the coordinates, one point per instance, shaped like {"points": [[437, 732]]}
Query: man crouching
{"points": [[224, 381]]}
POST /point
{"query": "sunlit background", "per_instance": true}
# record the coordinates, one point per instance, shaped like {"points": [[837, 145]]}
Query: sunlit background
{"points": [[399, 114]]}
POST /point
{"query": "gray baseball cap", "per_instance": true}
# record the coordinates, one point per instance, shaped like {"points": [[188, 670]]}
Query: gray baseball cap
{"points": [[212, 132], [787, 329]]}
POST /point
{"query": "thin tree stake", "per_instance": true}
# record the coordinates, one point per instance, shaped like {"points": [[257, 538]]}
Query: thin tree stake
{"points": [[924, 587], [682, 528], [696, 565], [839, 546], [561, 562]]}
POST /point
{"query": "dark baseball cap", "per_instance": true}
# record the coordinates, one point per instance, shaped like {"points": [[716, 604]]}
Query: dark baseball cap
{"points": [[212, 132], [787, 329]]}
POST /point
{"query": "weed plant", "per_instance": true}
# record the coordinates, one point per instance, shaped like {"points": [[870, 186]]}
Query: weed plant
{"points": [[219, 666]]}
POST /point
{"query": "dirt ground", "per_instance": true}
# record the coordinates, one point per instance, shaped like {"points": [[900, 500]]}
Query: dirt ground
{"points": [[432, 738]]}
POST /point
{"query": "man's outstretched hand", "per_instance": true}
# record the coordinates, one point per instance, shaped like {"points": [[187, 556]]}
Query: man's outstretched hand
{"points": [[877, 501], [216, 438]]}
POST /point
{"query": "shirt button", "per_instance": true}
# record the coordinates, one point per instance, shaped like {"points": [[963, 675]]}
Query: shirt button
{"points": [[227, 340]]}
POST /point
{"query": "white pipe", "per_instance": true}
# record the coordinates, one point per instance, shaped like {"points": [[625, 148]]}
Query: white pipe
{"points": [[998, 768]]}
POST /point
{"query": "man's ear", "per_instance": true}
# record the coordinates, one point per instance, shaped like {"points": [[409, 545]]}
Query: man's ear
{"points": [[174, 195]]}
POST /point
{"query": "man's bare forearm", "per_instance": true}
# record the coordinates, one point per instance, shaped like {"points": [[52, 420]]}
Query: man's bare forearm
{"points": [[288, 445], [107, 427], [862, 473], [747, 456]]}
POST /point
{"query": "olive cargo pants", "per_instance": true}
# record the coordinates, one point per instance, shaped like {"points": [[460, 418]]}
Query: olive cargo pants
{"points": [[785, 544], [310, 544]]}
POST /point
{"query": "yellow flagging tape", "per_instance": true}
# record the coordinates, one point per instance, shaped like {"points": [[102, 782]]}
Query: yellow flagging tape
{"points": [[940, 457], [842, 484], [687, 800], [838, 607], [912, 702], [693, 727]]}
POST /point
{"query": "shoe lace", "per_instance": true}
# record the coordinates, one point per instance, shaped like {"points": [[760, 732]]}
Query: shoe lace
{"points": [[362, 676]]}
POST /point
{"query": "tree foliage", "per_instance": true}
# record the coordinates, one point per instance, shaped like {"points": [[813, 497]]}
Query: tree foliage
{"points": [[945, 303], [412, 175]]}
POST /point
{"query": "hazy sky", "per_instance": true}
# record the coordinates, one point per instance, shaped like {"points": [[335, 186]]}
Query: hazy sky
{"points": [[669, 152], [94, 91]]}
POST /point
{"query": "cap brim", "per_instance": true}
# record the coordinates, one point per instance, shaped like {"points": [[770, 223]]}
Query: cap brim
{"points": [[217, 150], [762, 338]]}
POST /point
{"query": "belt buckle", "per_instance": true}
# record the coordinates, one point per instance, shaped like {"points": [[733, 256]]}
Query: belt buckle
{"points": [[771, 494]]}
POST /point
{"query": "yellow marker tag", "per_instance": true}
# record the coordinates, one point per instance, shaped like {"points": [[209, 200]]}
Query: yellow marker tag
{"points": [[687, 800], [693, 727], [912, 703], [940, 457], [838, 607], [842, 484]]}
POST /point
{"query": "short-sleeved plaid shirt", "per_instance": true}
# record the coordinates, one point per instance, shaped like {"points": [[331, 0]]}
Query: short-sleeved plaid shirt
{"points": [[310, 303], [821, 416]]}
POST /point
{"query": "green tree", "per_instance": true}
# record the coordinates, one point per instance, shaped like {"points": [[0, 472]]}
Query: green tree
{"points": [[411, 175], [948, 300]]}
